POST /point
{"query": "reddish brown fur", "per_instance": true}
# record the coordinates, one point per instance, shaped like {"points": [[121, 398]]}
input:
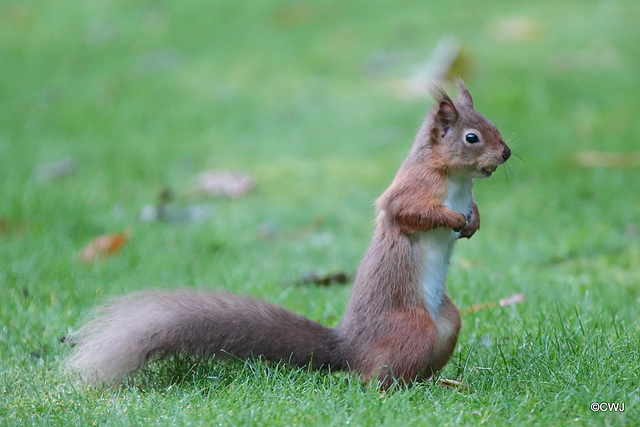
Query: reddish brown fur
{"points": [[387, 333]]}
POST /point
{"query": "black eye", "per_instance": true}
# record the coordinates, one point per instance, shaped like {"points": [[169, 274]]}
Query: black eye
{"points": [[472, 138]]}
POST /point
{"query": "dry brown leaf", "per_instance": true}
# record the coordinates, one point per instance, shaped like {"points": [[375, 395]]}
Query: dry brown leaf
{"points": [[465, 264], [104, 245], [224, 183], [173, 214], [329, 279], [511, 300], [595, 159], [267, 230], [477, 307], [8, 227], [296, 14], [518, 29]]}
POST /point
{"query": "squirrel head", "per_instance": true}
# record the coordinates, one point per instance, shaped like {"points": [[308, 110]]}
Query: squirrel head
{"points": [[460, 140]]}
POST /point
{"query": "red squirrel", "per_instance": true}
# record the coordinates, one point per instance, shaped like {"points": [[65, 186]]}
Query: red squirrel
{"points": [[399, 325]]}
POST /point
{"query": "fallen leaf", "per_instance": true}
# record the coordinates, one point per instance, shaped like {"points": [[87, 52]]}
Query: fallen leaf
{"points": [[150, 213], [597, 159], [632, 231], [518, 29], [313, 230], [160, 60], [326, 280], [465, 264], [194, 212], [56, 170], [572, 60], [319, 220], [296, 14], [18, 16], [164, 212], [267, 230], [511, 300], [479, 368], [104, 245], [454, 384], [9, 228], [224, 183], [321, 239], [477, 307], [100, 32]]}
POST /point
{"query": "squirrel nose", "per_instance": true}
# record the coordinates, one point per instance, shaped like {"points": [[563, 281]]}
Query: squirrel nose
{"points": [[506, 153]]}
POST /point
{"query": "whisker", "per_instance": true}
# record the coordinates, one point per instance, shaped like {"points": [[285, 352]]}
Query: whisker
{"points": [[513, 137], [507, 170], [519, 157]]}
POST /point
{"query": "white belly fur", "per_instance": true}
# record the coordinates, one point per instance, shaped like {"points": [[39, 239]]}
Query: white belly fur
{"points": [[437, 246]]}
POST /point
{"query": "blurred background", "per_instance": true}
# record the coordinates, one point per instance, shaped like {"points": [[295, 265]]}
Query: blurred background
{"points": [[109, 108]]}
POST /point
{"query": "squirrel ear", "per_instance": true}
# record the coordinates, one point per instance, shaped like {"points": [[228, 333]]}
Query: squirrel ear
{"points": [[446, 113], [464, 97]]}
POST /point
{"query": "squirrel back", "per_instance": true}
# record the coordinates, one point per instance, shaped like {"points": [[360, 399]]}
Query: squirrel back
{"points": [[399, 325]]}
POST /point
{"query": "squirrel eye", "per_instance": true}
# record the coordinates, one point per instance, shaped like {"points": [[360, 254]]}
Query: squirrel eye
{"points": [[471, 138]]}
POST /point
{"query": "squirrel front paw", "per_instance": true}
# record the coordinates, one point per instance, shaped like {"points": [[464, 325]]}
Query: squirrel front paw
{"points": [[473, 225], [469, 230], [458, 222]]}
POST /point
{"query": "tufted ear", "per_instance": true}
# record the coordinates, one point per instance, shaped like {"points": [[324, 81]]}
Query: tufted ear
{"points": [[446, 113], [464, 97]]}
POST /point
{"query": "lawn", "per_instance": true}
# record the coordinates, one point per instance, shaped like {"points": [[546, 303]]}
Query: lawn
{"points": [[136, 99]]}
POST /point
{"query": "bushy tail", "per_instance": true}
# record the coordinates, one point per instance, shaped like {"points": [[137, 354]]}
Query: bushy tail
{"points": [[134, 328]]}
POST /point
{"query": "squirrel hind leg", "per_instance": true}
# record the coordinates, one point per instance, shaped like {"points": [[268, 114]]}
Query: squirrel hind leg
{"points": [[400, 369], [402, 358], [448, 326]]}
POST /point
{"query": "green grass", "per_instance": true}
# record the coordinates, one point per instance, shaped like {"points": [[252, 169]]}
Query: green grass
{"points": [[145, 95]]}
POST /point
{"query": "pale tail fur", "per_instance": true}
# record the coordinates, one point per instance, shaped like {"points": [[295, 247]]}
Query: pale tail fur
{"points": [[133, 329]]}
